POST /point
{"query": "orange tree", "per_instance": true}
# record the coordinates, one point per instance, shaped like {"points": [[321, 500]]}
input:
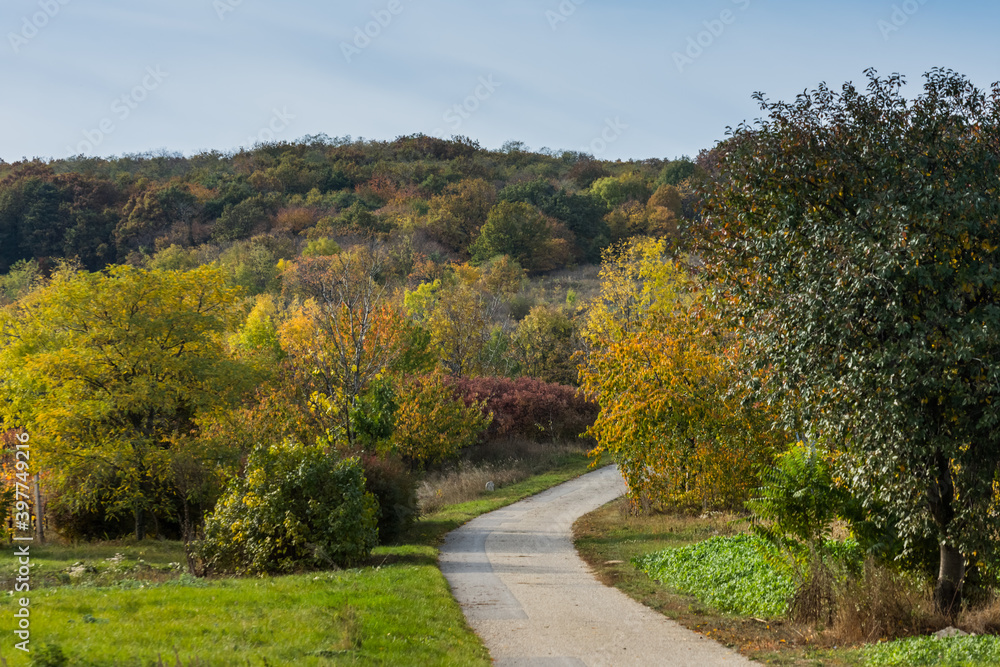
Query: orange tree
{"points": [[663, 373], [858, 238]]}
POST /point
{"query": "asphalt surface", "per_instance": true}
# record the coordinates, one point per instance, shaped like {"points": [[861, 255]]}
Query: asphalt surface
{"points": [[535, 603]]}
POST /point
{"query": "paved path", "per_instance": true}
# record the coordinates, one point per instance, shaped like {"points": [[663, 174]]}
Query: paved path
{"points": [[535, 603]]}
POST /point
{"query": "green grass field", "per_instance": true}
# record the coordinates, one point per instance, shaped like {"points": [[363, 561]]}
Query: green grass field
{"points": [[133, 604]]}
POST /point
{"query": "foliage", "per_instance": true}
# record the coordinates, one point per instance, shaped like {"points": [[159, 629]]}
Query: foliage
{"points": [[257, 339], [456, 215], [463, 312], [544, 345], [521, 232], [663, 371], [110, 372], [799, 499], [855, 237], [733, 574], [676, 171], [432, 424], [583, 214], [373, 414], [616, 190], [321, 247], [345, 335], [394, 488], [22, 277], [528, 408], [933, 652], [295, 507]]}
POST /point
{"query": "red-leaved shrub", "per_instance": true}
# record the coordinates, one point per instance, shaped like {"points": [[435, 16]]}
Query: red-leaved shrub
{"points": [[529, 408]]}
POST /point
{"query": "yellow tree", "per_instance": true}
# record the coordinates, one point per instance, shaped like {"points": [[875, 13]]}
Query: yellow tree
{"points": [[663, 372], [465, 315], [110, 372], [346, 334]]}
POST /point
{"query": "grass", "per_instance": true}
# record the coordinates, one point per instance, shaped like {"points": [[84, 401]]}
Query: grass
{"points": [[140, 607], [927, 651], [733, 574]]}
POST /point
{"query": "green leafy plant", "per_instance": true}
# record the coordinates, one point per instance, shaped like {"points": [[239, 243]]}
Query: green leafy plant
{"points": [[296, 506], [740, 574]]}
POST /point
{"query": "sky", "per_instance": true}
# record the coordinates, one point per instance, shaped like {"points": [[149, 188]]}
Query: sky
{"points": [[631, 79]]}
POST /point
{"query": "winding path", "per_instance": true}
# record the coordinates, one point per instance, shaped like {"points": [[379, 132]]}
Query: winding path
{"points": [[535, 603]]}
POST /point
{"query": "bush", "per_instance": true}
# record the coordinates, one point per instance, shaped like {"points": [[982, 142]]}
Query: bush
{"points": [[395, 489], [529, 408], [799, 499], [295, 507], [432, 425]]}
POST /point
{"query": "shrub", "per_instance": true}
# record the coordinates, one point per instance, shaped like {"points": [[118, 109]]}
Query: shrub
{"points": [[395, 489], [295, 507], [432, 425], [799, 499], [529, 408]]}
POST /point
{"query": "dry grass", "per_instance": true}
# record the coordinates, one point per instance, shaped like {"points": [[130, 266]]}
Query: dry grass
{"points": [[467, 482], [502, 462], [981, 620], [884, 604]]}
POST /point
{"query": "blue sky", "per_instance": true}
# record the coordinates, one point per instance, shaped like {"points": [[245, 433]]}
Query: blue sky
{"points": [[627, 79]]}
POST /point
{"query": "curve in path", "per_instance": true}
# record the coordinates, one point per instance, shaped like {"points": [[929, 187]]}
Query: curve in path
{"points": [[535, 603]]}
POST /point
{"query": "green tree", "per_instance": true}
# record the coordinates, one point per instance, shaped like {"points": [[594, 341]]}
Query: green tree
{"points": [[109, 371], [521, 232], [858, 241]]}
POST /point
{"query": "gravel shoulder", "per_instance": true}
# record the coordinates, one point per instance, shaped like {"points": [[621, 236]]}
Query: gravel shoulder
{"points": [[535, 603]]}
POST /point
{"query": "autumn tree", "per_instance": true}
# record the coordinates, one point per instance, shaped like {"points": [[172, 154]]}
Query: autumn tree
{"points": [[520, 231], [110, 372], [856, 236], [544, 344], [456, 214], [465, 314], [663, 372], [347, 332]]}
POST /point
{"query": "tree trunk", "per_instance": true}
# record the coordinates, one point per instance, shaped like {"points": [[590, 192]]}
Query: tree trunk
{"points": [[948, 592], [140, 523]]}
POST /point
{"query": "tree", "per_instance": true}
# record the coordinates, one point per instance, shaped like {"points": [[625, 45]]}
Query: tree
{"points": [[616, 190], [110, 371], [456, 215], [582, 214], [432, 424], [857, 239], [464, 314], [346, 334], [663, 371], [545, 343], [521, 232]]}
